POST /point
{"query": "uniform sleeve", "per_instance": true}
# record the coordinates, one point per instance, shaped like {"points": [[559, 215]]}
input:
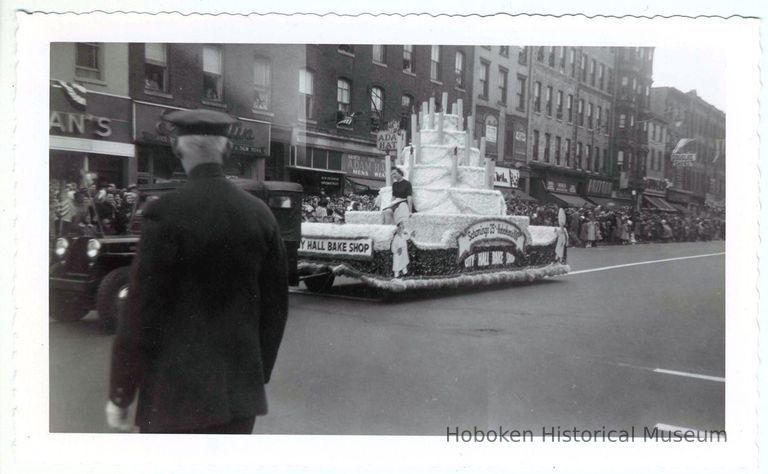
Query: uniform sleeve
{"points": [[141, 327], [273, 282]]}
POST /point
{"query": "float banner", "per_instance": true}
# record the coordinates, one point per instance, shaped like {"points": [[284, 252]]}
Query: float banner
{"points": [[488, 231], [356, 248]]}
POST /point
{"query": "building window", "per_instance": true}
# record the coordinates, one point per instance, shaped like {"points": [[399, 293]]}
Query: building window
{"points": [[88, 60], [568, 152], [535, 153], [521, 93], [588, 162], [547, 139], [599, 117], [551, 57], [581, 112], [558, 143], [522, 56], [408, 58], [548, 101], [577, 163], [596, 163], [559, 113], [592, 72], [307, 94], [504, 51], [262, 84], [537, 97], [343, 96], [377, 108], [570, 108], [460, 69], [562, 57], [434, 63], [213, 80], [406, 109], [379, 53], [583, 68], [503, 85], [483, 77], [347, 48], [156, 67], [605, 160], [622, 121], [540, 54], [601, 77], [610, 80], [607, 119], [572, 61], [590, 120]]}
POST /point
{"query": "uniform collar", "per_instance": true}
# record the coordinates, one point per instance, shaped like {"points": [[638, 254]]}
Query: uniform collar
{"points": [[206, 170]]}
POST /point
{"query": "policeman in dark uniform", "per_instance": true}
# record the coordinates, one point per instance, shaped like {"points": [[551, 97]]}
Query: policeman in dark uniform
{"points": [[207, 301]]}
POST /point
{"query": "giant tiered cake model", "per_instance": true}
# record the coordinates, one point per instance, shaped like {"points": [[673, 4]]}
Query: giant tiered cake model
{"points": [[460, 233]]}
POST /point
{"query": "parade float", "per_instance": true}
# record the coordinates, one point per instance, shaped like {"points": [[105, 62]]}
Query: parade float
{"points": [[459, 234]]}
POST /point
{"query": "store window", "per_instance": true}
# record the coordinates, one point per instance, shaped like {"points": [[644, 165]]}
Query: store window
{"points": [[213, 81], [88, 60], [156, 67], [307, 94], [262, 84]]}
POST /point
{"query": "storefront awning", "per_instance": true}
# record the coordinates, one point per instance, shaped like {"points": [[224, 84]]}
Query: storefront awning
{"points": [[364, 184], [680, 207], [572, 201], [660, 203], [513, 193], [608, 202]]}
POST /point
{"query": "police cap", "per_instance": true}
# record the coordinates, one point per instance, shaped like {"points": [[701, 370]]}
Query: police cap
{"points": [[199, 122]]}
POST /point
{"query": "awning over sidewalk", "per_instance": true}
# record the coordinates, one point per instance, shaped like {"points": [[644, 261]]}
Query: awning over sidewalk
{"points": [[609, 202], [518, 194], [660, 204], [571, 201], [680, 207]]}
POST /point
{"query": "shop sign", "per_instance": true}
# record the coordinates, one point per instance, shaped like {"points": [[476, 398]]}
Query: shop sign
{"points": [[355, 248], [561, 187], [247, 136], [655, 184], [387, 140], [491, 129], [330, 180], [363, 166], [95, 116], [683, 160], [506, 177], [69, 123], [485, 232], [520, 136], [599, 187]]}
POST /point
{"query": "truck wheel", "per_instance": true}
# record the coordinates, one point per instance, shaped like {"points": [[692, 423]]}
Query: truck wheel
{"points": [[320, 282], [66, 308], [113, 287]]}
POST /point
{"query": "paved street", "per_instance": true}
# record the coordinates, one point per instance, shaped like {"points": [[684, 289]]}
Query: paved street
{"points": [[628, 346]]}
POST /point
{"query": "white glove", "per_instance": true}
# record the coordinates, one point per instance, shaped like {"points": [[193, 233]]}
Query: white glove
{"points": [[117, 418]]}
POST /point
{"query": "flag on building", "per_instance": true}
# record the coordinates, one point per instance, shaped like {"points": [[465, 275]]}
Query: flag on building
{"points": [[75, 93], [347, 120], [682, 143]]}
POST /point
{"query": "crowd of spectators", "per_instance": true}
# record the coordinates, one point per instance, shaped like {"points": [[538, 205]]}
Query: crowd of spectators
{"points": [[592, 226], [587, 226], [89, 210]]}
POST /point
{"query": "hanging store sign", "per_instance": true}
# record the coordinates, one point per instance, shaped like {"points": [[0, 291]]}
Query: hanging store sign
{"points": [[561, 187], [683, 160], [506, 177], [363, 166], [387, 140]]}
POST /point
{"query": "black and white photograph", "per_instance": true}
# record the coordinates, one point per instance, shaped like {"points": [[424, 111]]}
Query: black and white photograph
{"points": [[449, 244]]}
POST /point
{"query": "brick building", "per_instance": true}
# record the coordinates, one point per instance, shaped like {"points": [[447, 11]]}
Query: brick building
{"points": [[349, 92], [699, 180], [569, 125]]}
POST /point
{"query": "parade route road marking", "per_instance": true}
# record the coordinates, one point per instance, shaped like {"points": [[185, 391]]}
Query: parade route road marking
{"points": [[600, 269], [688, 374]]}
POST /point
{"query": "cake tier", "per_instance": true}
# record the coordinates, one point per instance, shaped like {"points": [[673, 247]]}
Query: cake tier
{"points": [[450, 123], [452, 139], [439, 176], [440, 231], [442, 155], [479, 202]]}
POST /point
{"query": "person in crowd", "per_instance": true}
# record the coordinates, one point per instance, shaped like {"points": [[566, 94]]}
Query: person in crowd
{"points": [[207, 299]]}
